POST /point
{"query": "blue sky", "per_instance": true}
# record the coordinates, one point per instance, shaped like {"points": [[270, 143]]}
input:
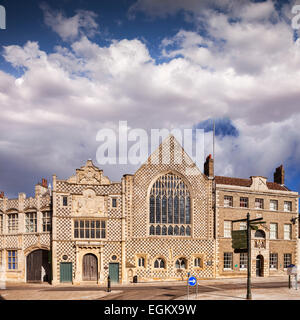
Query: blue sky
{"points": [[69, 68]]}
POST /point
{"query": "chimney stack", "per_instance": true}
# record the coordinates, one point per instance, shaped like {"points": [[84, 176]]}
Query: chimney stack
{"points": [[209, 167], [44, 183], [279, 175], [1, 195]]}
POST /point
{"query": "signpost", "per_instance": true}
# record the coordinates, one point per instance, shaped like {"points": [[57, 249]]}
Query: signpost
{"points": [[241, 242], [192, 281]]}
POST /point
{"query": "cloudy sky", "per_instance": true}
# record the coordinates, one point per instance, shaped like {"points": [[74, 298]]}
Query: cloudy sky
{"points": [[73, 67]]}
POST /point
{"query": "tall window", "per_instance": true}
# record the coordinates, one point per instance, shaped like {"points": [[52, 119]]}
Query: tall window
{"points": [[287, 206], [31, 222], [12, 259], [228, 201], [13, 223], [227, 229], [243, 260], [114, 202], [227, 260], [259, 203], [198, 262], [273, 230], [287, 228], [65, 201], [273, 260], [170, 207], [46, 221], [141, 262], [273, 205], [1, 223], [244, 202], [89, 229], [287, 260]]}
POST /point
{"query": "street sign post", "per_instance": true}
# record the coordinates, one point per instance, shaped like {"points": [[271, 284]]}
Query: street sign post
{"points": [[192, 281], [241, 242]]}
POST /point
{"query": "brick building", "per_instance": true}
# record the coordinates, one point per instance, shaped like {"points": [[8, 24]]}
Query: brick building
{"points": [[158, 224]]}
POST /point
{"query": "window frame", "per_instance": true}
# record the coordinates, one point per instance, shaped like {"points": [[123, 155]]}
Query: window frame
{"points": [[274, 201], [13, 223], [260, 201], [285, 264], [276, 231], [289, 206], [228, 204], [227, 229], [12, 263], [272, 262], [31, 221], [84, 227], [289, 231], [228, 254], [245, 202]]}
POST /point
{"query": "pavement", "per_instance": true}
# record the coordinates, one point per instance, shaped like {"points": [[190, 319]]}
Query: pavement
{"points": [[271, 288]]}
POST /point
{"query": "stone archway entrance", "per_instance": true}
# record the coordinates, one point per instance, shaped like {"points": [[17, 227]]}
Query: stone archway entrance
{"points": [[89, 267], [37, 266], [260, 266]]}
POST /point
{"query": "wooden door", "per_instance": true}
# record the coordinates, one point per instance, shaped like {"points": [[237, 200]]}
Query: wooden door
{"points": [[34, 266], [114, 272], [90, 268], [66, 272]]}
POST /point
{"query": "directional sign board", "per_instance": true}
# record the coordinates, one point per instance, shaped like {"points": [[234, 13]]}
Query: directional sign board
{"points": [[192, 281], [239, 239]]}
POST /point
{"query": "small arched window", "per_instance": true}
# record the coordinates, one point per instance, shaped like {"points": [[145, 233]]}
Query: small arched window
{"points": [[159, 263], [180, 263], [260, 234]]}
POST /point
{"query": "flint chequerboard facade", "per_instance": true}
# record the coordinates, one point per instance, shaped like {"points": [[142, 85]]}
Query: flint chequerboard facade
{"points": [[161, 223]]}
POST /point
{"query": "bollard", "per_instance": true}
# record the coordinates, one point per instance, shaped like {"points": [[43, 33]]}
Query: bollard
{"points": [[108, 284], [289, 282]]}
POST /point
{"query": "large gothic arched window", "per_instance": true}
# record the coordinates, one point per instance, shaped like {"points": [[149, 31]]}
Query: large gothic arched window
{"points": [[170, 207]]}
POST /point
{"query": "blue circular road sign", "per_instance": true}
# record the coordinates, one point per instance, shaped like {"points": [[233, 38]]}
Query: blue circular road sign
{"points": [[192, 281]]}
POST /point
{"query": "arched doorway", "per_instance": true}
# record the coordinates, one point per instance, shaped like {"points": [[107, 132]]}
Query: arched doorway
{"points": [[38, 266], [260, 266], [90, 268]]}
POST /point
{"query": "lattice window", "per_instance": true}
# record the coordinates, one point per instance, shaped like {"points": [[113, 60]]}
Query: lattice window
{"points": [[13, 223], [12, 260], [244, 202], [273, 230], [243, 260], [170, 207], [287, 260], [273, 205], [273, 260], [31, 222], [46, 221], [287, 206], [228, 260], [259, 203], [227, 229], [89, 229], [228, 201]]}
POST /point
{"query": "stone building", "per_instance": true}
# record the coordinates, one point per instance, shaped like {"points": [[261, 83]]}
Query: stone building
{"points": [[163, 221]]}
